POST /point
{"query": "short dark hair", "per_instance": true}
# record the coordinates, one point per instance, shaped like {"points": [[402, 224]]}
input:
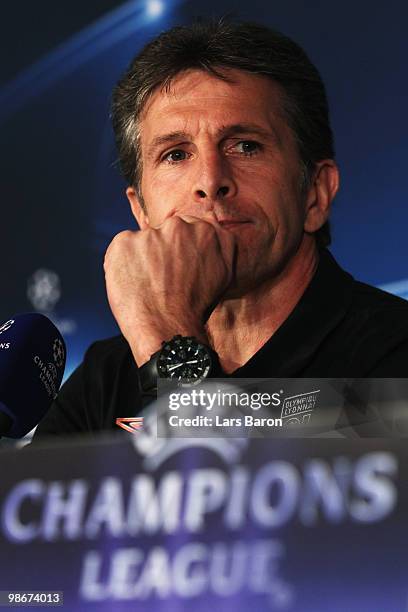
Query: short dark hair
{"points": [[214, 45]]}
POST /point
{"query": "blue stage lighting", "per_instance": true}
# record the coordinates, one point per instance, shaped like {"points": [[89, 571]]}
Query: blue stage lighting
{"points": [[154, 8]]}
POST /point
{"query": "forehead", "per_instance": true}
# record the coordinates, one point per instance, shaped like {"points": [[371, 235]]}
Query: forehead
{"points": [[197, 100]]}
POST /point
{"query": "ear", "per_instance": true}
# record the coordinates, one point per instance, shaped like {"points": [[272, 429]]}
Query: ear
{"points": [[321, 194], [137, 210]]}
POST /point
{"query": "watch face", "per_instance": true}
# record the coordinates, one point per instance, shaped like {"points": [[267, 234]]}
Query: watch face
{"points": [[185, 360]]}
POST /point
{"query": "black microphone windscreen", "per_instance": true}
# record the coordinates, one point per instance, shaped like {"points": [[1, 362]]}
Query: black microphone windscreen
{"points": [[32, 364]]}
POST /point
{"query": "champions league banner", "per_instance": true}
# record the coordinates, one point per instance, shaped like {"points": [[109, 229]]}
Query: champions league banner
{"points": [[137, 523]]}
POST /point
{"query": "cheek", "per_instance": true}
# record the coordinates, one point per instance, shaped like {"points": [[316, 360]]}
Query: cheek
{"points": [[162, 195], [280, 209]]}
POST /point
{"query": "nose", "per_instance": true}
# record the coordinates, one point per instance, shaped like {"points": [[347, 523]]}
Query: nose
{"points": [[214, 179]]}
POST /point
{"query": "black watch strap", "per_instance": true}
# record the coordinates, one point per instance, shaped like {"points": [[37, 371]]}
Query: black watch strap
{"points": [[148, 374]]}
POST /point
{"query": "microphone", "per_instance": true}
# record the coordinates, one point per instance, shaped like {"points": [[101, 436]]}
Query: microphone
{"points": [[32, 364]]}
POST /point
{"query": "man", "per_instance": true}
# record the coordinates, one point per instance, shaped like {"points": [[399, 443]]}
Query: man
{"points": [[224, 137]]}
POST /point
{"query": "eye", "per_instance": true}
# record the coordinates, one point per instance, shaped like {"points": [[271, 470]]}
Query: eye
{"points": [[175, 156], [247, 147]]}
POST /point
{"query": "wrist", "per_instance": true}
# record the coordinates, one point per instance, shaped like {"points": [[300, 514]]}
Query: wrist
{"points": [[150, 340]]}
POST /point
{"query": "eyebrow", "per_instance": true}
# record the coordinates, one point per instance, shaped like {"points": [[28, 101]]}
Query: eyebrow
{"points": [[248, 128], [165, 139], [224, 131]]}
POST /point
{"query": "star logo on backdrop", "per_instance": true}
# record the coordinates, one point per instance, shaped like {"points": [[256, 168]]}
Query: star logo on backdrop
{"points": [[44, 289]]}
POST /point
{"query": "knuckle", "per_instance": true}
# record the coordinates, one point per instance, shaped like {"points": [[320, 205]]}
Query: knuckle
{"points": [[118, 243], [124, 236], [119, 239]]}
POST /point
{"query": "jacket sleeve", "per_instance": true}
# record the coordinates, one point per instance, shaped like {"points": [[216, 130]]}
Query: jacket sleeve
{"points": [[105, 386], [68, 412]]}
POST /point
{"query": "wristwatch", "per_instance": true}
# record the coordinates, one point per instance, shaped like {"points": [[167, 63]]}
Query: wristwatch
{"points": [[183, 359]]}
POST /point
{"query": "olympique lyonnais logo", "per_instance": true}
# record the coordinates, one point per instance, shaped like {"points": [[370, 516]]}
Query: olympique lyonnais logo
{"points": [[6, 326], [297, 409], [131, 424]]}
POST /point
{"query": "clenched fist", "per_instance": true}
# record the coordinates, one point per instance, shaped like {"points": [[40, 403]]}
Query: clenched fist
{"points": [[167, 280]]}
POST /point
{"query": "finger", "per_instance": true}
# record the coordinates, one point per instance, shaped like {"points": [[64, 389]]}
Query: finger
{"points": [[208, 217], [187, 218], [228, 246]]}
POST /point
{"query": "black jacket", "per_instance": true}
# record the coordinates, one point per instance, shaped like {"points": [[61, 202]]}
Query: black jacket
{"points": [[340, 328]]}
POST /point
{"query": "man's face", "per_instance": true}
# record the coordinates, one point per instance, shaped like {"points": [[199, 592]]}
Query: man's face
{"points": [[223, 150]]}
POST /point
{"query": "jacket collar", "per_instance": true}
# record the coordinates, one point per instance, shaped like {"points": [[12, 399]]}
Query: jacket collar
{"points": [[320, 309]]}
